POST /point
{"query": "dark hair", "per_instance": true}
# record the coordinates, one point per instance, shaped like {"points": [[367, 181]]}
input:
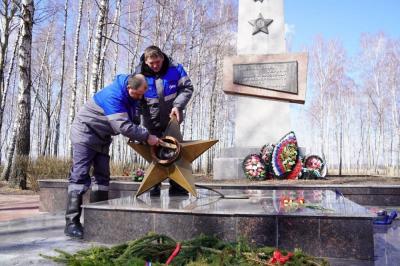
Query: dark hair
{"points": [[152, 51], [136, 81]]}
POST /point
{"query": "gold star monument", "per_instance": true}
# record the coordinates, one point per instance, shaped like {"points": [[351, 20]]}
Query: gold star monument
{"points": [[172, 158]]}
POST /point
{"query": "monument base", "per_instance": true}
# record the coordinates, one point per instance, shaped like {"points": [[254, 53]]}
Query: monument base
{"points": [[229, 164], [340, 228], [258, 122]]}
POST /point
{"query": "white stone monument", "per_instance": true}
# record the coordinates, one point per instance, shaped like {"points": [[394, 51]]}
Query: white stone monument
{"points": [[261, 111], [261, 34]]}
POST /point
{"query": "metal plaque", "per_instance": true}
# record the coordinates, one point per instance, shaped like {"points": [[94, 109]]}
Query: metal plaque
{"points": [[278, 76]]}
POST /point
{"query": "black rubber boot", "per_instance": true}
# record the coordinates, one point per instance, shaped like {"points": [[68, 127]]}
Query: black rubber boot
{"points": [[155, 191], [176, 190], [73, 226], [98, 195]]}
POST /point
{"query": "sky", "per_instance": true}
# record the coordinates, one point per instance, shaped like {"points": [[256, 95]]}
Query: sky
{"points": [[344, 20]]}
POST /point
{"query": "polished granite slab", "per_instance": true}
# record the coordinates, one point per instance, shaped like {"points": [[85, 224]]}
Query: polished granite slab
{"points": [[53, 192], [326, 225], [318, 203]]}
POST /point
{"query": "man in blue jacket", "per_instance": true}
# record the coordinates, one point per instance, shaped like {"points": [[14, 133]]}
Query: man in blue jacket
{"points": [[169, 91], [111, 111]]}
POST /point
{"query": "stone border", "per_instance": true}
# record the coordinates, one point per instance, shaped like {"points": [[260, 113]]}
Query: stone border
{"points": [[53, 192], [332, 237]]}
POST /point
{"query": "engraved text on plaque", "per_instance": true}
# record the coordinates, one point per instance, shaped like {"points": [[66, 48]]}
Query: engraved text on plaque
{"points": [[278, 76]]}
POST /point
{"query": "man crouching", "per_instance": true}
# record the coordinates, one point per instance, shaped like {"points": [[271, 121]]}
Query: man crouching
{"points": [[111, 111]]}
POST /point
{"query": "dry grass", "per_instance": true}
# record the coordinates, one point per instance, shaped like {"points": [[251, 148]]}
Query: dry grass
{"points": [[47, 168], [56, 168]]}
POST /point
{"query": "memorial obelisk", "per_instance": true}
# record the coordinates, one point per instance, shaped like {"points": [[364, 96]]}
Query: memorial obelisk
{"points": [[265, 119], [257, 120]]}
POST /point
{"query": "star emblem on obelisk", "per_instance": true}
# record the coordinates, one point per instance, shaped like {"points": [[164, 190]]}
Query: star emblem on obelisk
{"points": [[177, 165], [260, 24]]}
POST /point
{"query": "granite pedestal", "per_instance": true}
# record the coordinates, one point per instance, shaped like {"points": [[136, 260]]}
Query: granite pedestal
{"points": [[342, 229]]}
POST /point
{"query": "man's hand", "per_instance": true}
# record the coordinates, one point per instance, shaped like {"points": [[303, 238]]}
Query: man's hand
{"points": [[175, 111], [152, 140]]}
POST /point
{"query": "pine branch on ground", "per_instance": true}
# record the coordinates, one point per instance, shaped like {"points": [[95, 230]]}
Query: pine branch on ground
{"points": [[202, 250]]}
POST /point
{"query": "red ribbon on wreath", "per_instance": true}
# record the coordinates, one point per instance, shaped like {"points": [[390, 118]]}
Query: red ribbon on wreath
{"points": [[277, 257], [296, 170], [174, 253]]}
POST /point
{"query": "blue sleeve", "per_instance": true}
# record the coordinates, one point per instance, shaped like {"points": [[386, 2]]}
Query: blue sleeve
{"points": [[181, 71], [185, 89], [110, 99]]}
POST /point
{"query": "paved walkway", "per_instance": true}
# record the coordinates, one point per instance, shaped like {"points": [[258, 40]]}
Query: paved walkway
{"points": [[22, 240], [18, 206]]}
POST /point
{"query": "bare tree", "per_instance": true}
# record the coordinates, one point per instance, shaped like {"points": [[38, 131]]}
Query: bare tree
{"points": [[107, 40], [4, 94], [101, 21], [75, 75], [61, 92], [87, 57], [139, 28], [7, 13], [22, 149]]}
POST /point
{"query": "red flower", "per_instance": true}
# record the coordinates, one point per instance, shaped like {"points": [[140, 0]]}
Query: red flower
{"points": [[313, 163], [278, 258]]}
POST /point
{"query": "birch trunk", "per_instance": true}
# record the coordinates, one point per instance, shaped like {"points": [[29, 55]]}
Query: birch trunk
{"points": [[87, 64], [7, 14], [101, 21], [75, 83], [3, 98], [22, 146], [139, 28], [107, 40], [59, 107]]}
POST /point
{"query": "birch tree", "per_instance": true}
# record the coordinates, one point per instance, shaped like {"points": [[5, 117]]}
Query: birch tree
{"points": [[7, 13], [22, 145], [61, 92], [101, 21], [75, 75], [138, 39], [4, 94]]}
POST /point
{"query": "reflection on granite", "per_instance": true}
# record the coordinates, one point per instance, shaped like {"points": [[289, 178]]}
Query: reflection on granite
{"points": [[322, 203]]}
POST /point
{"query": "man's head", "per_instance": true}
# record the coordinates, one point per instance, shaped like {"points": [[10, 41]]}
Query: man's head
{"points": [[154, 58], [137, 86]]}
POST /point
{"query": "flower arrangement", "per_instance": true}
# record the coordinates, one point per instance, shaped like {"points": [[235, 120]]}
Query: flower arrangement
{"points": [[254, 167], [266, 153], [285, 155], [266, 156], [314, 167], [138, 175], [283, 161]]}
